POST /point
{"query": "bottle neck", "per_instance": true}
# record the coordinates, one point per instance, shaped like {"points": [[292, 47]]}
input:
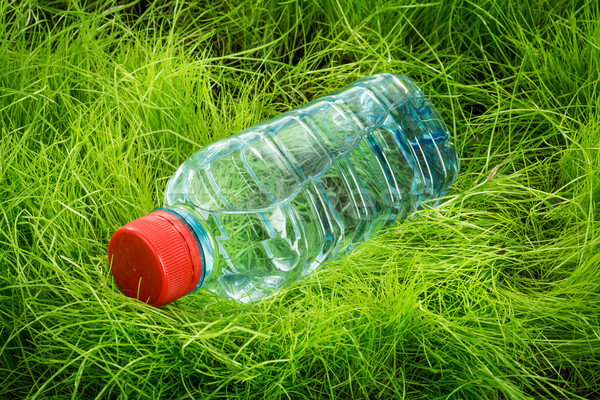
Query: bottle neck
{"points": [[200, 235]]}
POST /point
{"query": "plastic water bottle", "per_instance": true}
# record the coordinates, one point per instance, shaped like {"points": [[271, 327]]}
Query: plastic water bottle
{"points": [[248, 214]]}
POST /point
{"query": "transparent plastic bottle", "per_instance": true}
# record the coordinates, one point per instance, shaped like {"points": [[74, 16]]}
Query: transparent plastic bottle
{"points": [[247, 214]]}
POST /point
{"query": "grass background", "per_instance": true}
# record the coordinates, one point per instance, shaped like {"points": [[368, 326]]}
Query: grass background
{"points": [[493, 295]]}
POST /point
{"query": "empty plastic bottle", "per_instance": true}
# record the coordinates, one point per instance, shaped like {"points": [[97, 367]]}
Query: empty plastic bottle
{"points": [[247, 214]]}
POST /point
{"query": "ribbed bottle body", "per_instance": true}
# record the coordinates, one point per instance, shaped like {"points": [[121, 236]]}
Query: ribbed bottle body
{"points": [[279, 198]]}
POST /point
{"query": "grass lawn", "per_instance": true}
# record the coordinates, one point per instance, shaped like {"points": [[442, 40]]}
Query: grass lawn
{"points": [[494, 294]]}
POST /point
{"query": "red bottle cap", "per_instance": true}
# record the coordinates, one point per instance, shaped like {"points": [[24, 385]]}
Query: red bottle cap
{"points": [[155, 258]]}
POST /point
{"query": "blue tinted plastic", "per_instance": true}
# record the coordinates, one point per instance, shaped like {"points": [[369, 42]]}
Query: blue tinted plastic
{"points": [[281, 197]]}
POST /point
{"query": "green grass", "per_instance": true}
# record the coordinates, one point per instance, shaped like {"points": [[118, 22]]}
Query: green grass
{"points": [[495, 294]]}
